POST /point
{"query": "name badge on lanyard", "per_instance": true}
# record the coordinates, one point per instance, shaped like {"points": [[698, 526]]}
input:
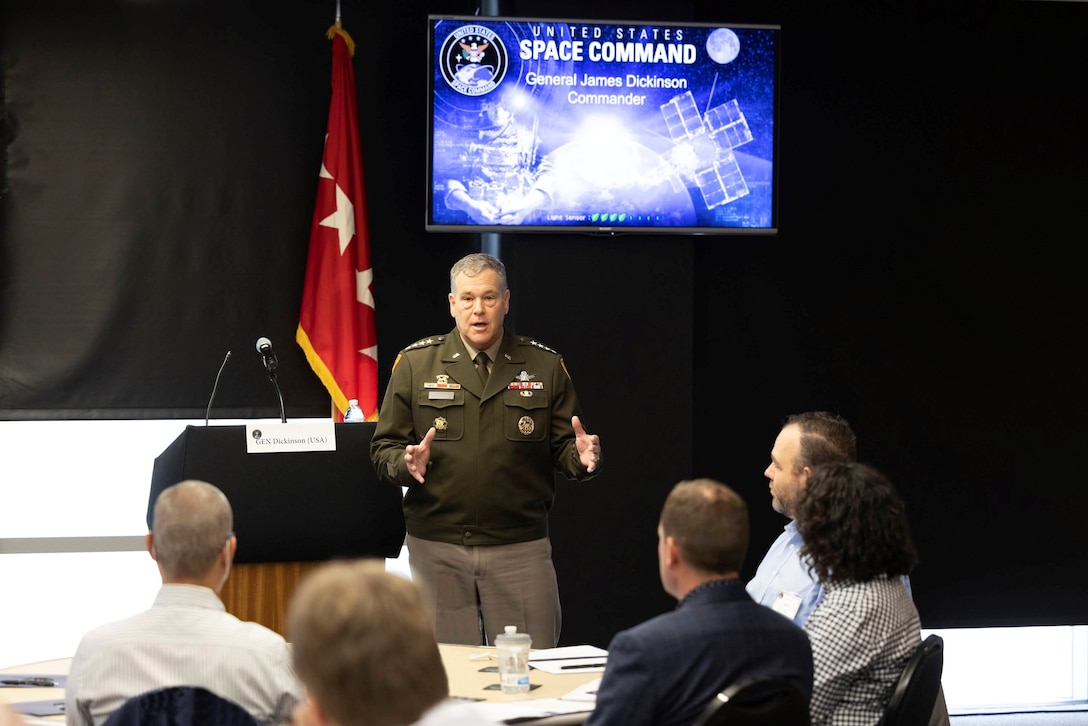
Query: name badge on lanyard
{"points": [[787, 603]]}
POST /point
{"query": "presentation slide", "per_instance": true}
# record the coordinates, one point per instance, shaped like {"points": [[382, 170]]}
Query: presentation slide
{"points": [[566, 123]]}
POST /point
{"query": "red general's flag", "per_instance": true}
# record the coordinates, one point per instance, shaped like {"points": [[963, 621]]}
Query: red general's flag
{"points": [[336, 323]]}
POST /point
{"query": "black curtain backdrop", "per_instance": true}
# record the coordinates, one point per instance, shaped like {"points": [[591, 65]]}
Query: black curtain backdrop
{"points": [[160, 169]]}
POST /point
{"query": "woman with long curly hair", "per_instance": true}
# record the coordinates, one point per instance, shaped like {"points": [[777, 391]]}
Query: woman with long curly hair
{"points": [[859, 546]]}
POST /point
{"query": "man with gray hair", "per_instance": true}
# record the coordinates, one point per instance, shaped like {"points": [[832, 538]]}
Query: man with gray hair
{"points": [[187, 638], [475, 424]]}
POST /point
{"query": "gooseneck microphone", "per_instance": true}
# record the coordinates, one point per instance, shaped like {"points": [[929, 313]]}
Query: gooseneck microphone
{"points": [[215, 387], [264, 347]]}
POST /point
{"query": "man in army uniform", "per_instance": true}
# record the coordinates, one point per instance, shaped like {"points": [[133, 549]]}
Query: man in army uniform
{"points": [[475, 440]]}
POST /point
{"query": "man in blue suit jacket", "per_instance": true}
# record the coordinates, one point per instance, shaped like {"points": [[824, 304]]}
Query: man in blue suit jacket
{"points": [[665, 671]]}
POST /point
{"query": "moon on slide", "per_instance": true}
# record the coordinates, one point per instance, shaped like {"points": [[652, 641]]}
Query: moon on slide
{"points": [[723, 45]]}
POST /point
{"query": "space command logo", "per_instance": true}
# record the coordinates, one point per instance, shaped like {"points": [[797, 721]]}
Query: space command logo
{"points": [[474, 60]]}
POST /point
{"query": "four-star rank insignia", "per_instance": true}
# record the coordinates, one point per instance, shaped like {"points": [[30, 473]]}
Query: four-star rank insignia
{"points": [[426, 342]]}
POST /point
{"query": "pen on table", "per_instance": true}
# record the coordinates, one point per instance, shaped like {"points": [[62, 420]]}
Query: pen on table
{"points": [[581, 665], [42, 682]]}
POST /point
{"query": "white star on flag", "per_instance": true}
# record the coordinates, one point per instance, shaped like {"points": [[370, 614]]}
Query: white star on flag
{"points": [[363, 294], [343, 219]]}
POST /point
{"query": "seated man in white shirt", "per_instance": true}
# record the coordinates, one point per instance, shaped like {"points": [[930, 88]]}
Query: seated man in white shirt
{"points": [[365, 649], [187, 638]]}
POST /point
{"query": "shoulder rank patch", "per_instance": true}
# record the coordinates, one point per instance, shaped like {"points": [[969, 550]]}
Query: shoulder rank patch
{"points": [[427, 342], [538, 344]]}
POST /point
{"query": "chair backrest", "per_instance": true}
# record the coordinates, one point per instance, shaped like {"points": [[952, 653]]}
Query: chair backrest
{"points": [[915, 694], [180, 706], [760, 702]]}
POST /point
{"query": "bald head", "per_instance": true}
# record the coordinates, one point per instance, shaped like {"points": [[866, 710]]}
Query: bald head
{"points": [[191, 524]]}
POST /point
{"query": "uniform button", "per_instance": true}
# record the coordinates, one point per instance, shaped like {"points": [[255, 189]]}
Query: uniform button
{"points": [[468, 535]]}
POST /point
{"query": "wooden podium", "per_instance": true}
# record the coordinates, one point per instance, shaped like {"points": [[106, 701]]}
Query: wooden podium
{"points": [[292, 511]]}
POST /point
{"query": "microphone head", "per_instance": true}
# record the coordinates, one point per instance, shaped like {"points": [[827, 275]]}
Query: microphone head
{"points": [[264, 346]]}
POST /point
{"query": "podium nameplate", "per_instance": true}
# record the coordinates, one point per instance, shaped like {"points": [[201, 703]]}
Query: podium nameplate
{"points": [[276, 438]]}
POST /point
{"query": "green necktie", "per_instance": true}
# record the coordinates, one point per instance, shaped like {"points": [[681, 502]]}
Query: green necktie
{"points": [[481, 366]]}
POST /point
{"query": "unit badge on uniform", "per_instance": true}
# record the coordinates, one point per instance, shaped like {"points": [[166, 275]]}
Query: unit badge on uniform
{"points": [[440, 423], [526, 425], [441, 381]]}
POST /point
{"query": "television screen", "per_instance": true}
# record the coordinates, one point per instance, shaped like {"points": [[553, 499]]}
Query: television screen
{"points": [[601, 126]]}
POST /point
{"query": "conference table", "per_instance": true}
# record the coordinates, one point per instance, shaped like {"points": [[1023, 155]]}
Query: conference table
{"points": [[556, 699]]}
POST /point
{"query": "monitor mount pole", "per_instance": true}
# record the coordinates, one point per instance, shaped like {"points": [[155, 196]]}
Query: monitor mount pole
{"points": [[490, 242]]}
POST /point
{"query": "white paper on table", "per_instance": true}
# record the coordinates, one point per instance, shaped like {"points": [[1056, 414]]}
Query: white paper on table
{"points": [[532, 708], [585, 693], [569, 659]]}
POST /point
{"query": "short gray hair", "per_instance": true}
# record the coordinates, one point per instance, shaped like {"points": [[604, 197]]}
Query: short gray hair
{"points": [[191, 523], [472, 265]]}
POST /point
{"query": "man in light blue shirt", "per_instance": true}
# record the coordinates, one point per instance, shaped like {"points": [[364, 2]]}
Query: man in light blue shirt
{"points": [[782, 581]]}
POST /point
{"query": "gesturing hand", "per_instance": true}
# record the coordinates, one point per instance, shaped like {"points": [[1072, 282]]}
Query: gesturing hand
{"points": [[417, 456], [589, 446]]}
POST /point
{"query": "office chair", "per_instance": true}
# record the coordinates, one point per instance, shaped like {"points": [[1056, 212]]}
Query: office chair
{"points": [[915, 693], [180, 706], [760, 702]]}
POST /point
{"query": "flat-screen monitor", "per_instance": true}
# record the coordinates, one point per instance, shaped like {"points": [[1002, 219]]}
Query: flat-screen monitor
{"points": [[559, 125]]}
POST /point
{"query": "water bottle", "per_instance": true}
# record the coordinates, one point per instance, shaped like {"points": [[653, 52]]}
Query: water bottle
{"points": [[354, 414], [512, 652]]}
